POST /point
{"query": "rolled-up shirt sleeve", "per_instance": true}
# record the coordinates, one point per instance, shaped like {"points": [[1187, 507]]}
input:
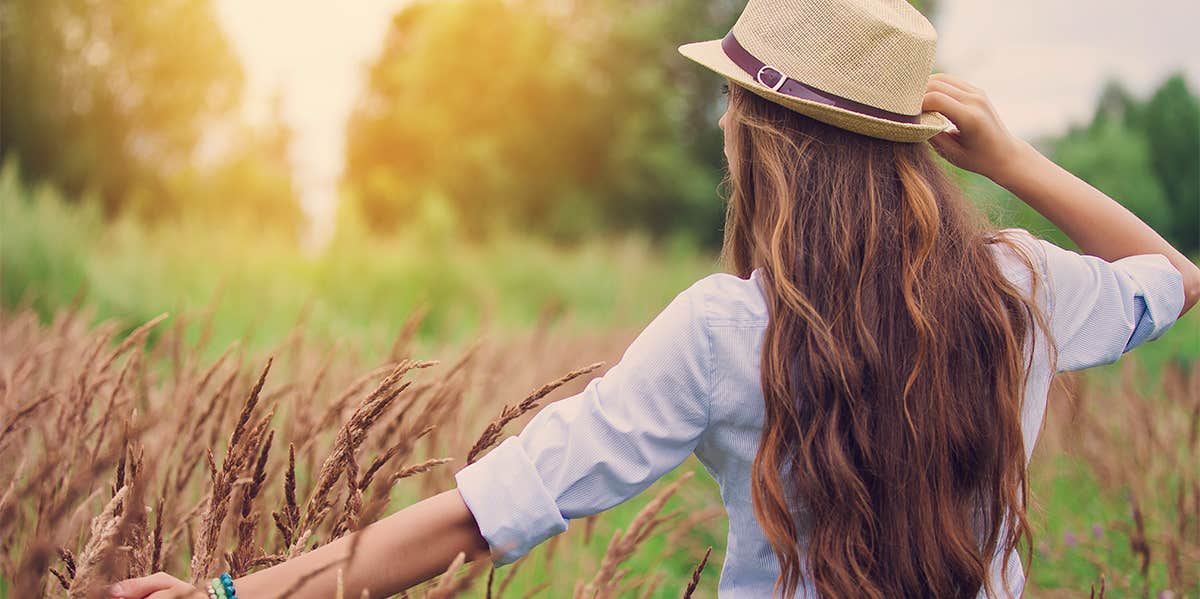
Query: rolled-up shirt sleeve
{"points": [[589, 452], [1099, 309]]}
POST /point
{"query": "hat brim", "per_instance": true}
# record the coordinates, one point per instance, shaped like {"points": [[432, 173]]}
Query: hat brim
{"points": [[710, 55]]}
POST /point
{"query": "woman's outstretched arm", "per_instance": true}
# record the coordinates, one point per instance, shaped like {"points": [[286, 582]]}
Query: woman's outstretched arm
{"points": [[1096, 223], [395, 553]]}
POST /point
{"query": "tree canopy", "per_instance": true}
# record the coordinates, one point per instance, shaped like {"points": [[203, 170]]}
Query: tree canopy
{"points": [[117, 99], [1145, 154], [561, 118]]}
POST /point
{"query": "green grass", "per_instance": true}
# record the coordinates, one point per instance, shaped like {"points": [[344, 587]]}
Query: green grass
{"points": [[359, 288]]}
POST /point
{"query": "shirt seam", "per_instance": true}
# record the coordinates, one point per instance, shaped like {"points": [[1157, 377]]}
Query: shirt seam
{"points": [[712, 364]]}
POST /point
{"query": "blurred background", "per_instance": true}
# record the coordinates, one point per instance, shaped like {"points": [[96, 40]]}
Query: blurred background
{"points": [[489, 160], [272, 166]]}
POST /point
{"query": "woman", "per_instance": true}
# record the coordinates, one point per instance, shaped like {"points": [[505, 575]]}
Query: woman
{"points": [[867, 385]]}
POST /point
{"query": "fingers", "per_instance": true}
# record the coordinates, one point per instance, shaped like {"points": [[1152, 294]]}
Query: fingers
{"points": [[958, 93], [141, 587], [961, 84], [954, 109]]}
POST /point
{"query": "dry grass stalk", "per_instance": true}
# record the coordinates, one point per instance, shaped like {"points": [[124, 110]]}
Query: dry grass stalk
{"points": [[246, 550], [90, 574], [334, 411], [156, 551], [604, 583], [402, 448], [239, 452], [101, 426], [450, 584], [135, 337], [649, 588], [695, 519], [288, 517], [446, 581], [420, 468], [311, 574], [695, 581], [407, 332], [62, 580], [531, 593], [135, 534], [508, 578], [491, 434], [349, 438], [375, 508], [22, 414], [1100, 594]]}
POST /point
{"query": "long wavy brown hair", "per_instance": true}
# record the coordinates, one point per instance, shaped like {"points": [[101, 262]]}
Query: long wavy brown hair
{"points": [[891, 462]]}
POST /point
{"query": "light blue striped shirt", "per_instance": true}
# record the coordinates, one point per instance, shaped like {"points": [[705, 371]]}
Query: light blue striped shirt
{"points": [[690, 384]]}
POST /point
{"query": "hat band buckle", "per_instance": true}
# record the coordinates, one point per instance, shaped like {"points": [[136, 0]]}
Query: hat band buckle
{"points": [[778, 83], [761, 72]]}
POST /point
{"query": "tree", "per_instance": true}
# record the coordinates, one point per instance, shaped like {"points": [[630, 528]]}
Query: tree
{"points": [[248, 185], [111, 97], [1116, 159], [560, 118], [1170, 120]]}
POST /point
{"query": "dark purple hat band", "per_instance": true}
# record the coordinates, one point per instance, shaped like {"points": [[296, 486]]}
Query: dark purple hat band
{"points": [[772, 78]]}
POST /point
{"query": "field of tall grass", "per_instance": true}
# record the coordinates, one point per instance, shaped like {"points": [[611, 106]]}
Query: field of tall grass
{"points": [[124, 456], [287, 400]]}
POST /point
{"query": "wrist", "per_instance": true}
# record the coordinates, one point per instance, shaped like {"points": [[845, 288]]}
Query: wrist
{"points": [[1014, 164]]}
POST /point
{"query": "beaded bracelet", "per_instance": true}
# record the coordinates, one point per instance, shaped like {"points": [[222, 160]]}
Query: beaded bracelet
{"points": [[222, 587]]}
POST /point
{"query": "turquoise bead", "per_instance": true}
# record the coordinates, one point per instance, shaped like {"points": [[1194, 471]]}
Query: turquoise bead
{"points": [[227, 586]]}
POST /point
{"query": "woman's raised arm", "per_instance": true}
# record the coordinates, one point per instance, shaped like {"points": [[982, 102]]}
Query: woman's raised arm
{"points": [[1099, 225]]}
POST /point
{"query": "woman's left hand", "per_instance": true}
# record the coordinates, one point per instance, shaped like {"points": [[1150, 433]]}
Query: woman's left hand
{"points": [[155, 586], [982, 144]]}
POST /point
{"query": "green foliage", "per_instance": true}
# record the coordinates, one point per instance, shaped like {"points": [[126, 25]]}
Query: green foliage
{"points": [[258, 286], [114, 99], [550, 118], [249, 186], [1116, 160], [1144, 154], [43, 245], [108, 95], [1171, 123]]}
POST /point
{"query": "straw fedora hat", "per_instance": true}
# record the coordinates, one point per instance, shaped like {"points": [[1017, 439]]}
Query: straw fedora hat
{"points": [[860, 65]]}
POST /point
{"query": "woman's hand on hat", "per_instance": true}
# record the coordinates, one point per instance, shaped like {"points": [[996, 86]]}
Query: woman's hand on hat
{"points": [[982, 143]]}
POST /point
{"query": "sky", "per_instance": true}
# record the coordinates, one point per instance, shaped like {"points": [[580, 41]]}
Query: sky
{"points": [[315, 55], [1042, 62]]}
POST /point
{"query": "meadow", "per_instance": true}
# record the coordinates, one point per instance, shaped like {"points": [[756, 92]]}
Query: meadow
{"points": [[286, 400]]}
